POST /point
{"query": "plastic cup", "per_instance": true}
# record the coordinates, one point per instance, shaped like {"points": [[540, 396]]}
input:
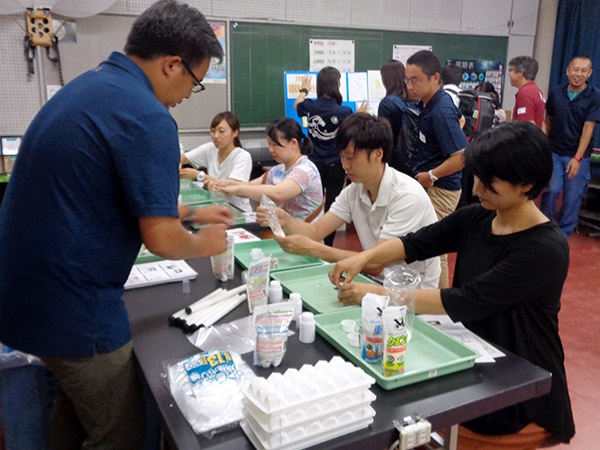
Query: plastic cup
{"points": [[348, 325], [353, 339], [401, 284]]}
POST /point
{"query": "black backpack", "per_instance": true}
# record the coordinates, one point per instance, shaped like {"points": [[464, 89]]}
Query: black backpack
{"points": [[403, 154], [479, 110]]}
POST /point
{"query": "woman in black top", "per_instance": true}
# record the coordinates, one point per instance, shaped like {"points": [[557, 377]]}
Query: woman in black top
{"points": [[510, 269], [392, 108], [324, 116]]}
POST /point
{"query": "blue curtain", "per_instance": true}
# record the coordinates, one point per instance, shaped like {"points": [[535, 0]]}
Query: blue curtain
{"points": [[577, 33]]}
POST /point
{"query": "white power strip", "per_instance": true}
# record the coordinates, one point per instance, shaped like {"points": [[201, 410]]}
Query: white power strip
{"points": [[413, 431]]}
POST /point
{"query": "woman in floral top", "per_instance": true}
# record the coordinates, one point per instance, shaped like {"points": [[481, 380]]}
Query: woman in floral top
{"points": [[294, 183]]}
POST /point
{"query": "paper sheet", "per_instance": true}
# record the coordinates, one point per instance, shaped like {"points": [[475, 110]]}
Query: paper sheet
{"points": [[159, 272], [458, 331]]}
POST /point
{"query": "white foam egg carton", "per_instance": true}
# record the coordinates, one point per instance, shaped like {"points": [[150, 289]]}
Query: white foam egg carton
{"points": [[309, 433], [311, 384], [278, 422]]}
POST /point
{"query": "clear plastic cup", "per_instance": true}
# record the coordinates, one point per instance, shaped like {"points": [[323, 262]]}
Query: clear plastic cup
{"points": [[400, 285]]}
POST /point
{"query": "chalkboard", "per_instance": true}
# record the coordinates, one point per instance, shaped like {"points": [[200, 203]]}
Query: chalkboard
{"points": [[261, 52], [100, 35]]}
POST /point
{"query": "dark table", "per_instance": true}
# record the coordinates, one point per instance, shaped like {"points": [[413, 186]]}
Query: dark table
{"points": [[444, 401]]}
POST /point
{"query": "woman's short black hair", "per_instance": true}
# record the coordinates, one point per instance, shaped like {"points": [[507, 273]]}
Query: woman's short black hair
{"points": [[169, 27], [367, 132], [289, 129], [328, 83], [232, 121], [517, 152]]}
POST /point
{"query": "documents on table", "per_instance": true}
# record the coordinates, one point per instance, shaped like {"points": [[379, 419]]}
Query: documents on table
{"points": [[241, 235], [159, 272], [458, 331]]}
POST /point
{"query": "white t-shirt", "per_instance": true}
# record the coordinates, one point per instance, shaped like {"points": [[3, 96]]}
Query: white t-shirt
{"points": [[402, 206], [237, 165], [452, 90]]}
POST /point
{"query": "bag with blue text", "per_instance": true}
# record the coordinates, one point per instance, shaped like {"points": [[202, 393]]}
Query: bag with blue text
{"points": [[207, 388]]}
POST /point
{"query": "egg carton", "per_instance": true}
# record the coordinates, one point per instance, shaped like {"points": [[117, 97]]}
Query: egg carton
{"points": [[278, 422], [310, 433], [311, 384]]}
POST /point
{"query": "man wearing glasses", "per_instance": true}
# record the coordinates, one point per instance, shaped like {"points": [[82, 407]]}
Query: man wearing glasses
{"points": [[97, 175], [439, 157]]}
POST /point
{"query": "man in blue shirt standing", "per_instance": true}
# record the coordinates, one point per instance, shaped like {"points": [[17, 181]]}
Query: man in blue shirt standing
{"points": [[572, 113], [439, 158], [97, 175]]}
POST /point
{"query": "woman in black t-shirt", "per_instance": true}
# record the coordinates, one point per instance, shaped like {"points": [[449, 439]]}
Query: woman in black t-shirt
{"points": [[324, 116], [510, 269]]}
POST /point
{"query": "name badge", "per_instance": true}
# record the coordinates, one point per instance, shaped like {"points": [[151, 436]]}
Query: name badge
{"points": [[422, 138], [522, 110]]}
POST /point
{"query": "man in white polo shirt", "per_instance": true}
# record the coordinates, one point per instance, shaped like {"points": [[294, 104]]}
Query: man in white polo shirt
{"points": [[382, 202]]}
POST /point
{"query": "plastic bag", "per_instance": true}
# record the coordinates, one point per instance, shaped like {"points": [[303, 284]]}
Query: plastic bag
{"points": [[223, 265], [371, 326], [271, 323], [207, 388], [271, 215]]}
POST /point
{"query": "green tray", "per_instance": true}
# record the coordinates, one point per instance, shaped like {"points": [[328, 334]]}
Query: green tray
{"points": [[238, 216], [429, 354], [145, 256], [196, 196], [187, 185], [313, 285], [271, 247]]}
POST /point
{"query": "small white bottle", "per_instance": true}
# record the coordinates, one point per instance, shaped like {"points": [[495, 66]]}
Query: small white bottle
{"points": [[306, 324], [296, 299], [275, 292]]}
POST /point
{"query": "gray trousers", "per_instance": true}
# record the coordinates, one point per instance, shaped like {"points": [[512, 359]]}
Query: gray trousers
{"points": [[99, 404]]}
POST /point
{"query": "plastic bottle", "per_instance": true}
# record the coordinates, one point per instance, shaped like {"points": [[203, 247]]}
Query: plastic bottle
{"points": [[307, 327], [275, 292], [297, 299], [256, 253]]}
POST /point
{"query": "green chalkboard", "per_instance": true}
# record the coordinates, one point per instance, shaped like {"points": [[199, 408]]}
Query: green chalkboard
{"points": [[261, 52]]}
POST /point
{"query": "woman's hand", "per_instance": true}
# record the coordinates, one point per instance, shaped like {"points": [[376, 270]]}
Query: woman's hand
{"points": [[353, 293], [363, 108], [261, 216], [188, 173], [306, 82], [346, 269]]}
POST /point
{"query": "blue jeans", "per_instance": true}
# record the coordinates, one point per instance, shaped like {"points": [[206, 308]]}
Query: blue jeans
{"points": [[572, 190]]}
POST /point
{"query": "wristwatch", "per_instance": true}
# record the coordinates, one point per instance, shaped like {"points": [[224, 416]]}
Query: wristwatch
{"points": [[432, 177], [200, 176], [303, 91]]}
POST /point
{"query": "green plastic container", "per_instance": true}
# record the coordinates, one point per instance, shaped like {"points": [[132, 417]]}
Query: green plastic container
{"points": [[196, 196], [187, 185], [430, 353], [287, 261], [313, 285]]}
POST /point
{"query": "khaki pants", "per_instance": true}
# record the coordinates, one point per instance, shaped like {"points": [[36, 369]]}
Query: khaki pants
{"points": [[99, 404], [444, 202]]}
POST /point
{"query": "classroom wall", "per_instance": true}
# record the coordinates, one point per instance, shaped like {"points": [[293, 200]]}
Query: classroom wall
{"points": [[23, 94], [544, 41]]}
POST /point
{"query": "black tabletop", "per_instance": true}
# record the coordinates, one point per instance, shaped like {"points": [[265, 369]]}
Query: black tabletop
{"points": [[444, 401]]}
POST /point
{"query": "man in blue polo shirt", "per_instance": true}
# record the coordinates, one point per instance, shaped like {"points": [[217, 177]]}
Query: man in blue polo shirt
{"points": [[439, 158], [572, 113], [97, 175]]}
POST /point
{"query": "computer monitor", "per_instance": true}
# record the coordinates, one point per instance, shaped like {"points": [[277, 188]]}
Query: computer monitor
{"points": [[9, 149]]}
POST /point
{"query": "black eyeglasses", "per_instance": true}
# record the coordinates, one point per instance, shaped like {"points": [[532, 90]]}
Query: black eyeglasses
{"points": [[199, 87]]}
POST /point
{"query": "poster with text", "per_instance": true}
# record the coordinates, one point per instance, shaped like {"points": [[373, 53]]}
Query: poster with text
{"points": [[478, 71], [329, 52], [403, 52]]}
